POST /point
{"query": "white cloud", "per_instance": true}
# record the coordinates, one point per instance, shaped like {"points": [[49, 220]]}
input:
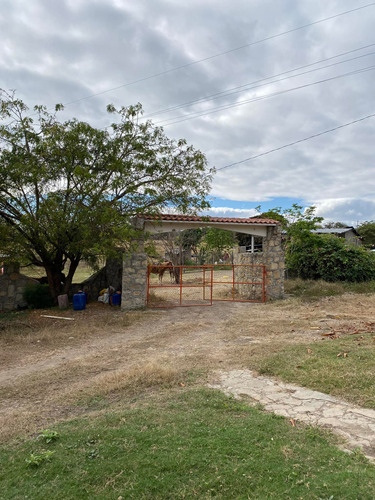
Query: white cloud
{"points": [[352, 211], [61, 51], [231, 212]]}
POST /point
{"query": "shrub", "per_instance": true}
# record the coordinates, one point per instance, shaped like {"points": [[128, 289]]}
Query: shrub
{"points": [[328, 258], [37, 296]]}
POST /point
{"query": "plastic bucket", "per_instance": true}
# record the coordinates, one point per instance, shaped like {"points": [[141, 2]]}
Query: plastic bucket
{"points": [[79, 301], [116, 299]]}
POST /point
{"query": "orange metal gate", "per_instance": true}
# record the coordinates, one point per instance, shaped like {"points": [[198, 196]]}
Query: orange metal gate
{"points": [[184, 286], [179, 286]]}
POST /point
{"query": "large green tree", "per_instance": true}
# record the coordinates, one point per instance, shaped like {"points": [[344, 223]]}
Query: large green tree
{"points": [[68, 190]]}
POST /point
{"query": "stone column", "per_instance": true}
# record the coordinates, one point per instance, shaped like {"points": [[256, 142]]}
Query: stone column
{"points": [[134, 275], [274, 262], [272, 257]]}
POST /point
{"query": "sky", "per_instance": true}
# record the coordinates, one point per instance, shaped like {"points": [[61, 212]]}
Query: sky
{"points": [[243, 79]]}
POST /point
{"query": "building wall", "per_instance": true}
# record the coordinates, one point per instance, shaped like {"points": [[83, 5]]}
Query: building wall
{"points": [[352, 238]]}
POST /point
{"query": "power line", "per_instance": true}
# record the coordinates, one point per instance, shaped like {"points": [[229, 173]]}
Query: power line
{"points": [[296, 142], [251, 85], [214, 56], [198, 114]]}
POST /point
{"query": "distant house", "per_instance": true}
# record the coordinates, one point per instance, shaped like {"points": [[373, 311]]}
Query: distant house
{"points": [[348, 233]]}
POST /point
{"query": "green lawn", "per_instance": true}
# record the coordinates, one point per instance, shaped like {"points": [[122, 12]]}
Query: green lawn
{"points": [[187, 444]]}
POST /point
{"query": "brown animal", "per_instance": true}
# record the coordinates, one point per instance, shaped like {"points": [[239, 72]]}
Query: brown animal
{"points": [[160, 269]]}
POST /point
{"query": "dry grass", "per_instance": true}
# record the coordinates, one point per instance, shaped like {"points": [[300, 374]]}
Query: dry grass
{"points": [[29, 334], [80, 387]]}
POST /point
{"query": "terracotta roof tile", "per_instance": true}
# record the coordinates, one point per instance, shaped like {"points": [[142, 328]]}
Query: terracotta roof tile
{"points": [[194, 218]]}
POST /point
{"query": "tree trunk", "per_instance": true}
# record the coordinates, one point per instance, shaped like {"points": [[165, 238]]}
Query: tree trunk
{"points": [[72, 269], [54, 281]]}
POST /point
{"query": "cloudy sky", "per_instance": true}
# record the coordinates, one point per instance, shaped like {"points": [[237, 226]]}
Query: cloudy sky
{"points": [[242, 78]]}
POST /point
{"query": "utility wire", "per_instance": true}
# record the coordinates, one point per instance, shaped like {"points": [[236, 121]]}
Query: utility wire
{"points": [[208, 58], [198, 114], [251, 85], [296, 142]]}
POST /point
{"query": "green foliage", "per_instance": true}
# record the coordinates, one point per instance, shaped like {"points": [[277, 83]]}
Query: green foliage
{"points": [[68, 191], [301, 222], [367, 231], [191, 238], [207, 243], [217, 241], [38, 296], [296, 221], [274, 214], [320, 257], [328, 258], [48, 436], [36, 459]]}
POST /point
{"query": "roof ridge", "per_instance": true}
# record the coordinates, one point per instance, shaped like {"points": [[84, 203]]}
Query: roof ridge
{"points": [[209, 218]]}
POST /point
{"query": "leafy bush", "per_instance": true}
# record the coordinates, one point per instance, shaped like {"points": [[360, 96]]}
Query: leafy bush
{"points": [[37, 296], [328, 258]]}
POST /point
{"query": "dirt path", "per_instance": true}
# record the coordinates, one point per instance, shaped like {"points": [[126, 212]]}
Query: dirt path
{"points": [[162, 323]]}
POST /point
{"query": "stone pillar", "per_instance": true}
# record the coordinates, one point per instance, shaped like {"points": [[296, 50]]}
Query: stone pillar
{"points": [[272, 257], [274, 262], [134, 274]]}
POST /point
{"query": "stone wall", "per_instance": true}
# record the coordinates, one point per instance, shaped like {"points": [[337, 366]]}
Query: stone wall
{"points": [[12, 286], [272, 257]]}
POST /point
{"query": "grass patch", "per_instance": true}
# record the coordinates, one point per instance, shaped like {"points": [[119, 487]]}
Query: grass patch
{"points": [[190, 444], [342, 367], [316, 289]]}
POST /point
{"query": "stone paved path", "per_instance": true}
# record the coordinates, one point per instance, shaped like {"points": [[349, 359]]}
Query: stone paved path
{"points": [[356, 424]]}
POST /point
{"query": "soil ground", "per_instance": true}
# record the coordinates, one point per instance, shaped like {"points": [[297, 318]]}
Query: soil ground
{"points": [[53, 369]]}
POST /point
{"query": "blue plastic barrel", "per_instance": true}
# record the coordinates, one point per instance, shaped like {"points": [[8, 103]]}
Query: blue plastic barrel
{"points": [[79, 301], [116, 299]]}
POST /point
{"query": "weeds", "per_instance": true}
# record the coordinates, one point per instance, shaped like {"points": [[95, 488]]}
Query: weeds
{"points": [[37, 459], [48, 436]]}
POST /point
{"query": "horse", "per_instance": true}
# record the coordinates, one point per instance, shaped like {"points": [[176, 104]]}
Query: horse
{"points": [[160, 269]]}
